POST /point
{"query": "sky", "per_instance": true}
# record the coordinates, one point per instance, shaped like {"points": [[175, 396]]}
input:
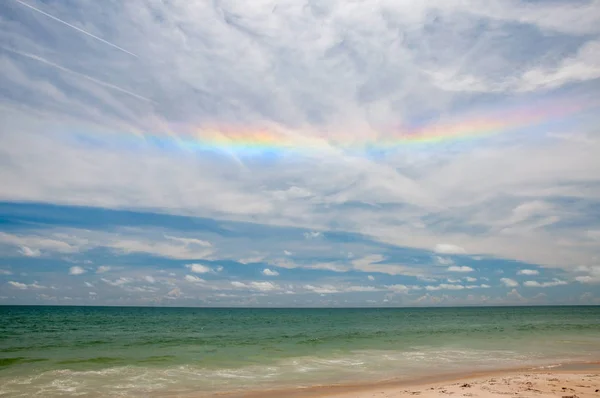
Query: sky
{"points": [[300, 153]]}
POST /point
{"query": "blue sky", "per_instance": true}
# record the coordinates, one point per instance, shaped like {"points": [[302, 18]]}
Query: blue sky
{"points": [[95, 209]]}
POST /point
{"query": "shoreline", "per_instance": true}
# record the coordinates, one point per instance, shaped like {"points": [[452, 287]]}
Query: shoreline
{"points": [[427, 384]]}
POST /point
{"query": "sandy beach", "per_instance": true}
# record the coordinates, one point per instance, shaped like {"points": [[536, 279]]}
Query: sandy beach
{"points": [[571, 381], [550, 384]]}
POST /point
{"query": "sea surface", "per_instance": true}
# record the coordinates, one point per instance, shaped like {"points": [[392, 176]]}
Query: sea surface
{"points": [[133, 351]]}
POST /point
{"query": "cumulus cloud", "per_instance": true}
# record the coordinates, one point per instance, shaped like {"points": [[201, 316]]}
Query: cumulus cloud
{"points": [[528, 272], [256, 285], [199, 268], [509, 282], [24, 286], [269, 272], [446, 248], [445, 286], [103, 268], [370, 277], [76, 270], [323, 289], [18, 285], [193, 279], [552, 283], [312, 235], [27, 252], [456, 268]]}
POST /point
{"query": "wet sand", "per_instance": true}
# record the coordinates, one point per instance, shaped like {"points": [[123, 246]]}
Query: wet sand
{"points": [[577, 380], [550, 384]]}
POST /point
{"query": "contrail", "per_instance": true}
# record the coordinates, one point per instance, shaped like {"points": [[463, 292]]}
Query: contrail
{"points": [[70, 71], [76, 28]]}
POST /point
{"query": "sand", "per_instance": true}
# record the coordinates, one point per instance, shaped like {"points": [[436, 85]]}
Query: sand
{"points": [[540, 385]]}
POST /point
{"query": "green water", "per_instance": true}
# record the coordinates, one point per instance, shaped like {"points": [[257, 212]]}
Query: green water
{"points": [[111, 351]]}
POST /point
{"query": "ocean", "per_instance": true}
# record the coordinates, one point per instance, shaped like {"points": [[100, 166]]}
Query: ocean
{"points": [[140, 351]]}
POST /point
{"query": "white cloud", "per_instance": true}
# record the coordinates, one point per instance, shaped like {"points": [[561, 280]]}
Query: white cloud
{"points": [[399, 288], [193, 279], [5, 272], [269, 272], [258, 286], [370, 277], [446, 248], [264, 286], [103, 268], [149, 279], [117, 282], [443, 260], [554, 282], [445, 286], [199, 268], [88, 284], [416, 198], [457, 268], [30, 252], [323, 289], [76, 270], [470, 279], [312, 235], [23, 286], [587, 279], [287, 253], [509, 282], [18, 285], [528, 272], [32, 245]]}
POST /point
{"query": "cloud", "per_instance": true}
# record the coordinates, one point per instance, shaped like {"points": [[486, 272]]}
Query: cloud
{"points": [[446, 248], [370, 277], [323, 289], [257, 286], [5, 272], [456, 268], [268, 272], [194, 279], [149, 279], [470, 279], [443, 260], [509, 282], [554, 282], [199, 268], [398, 288], [395, 163], [445, 286], [18, 285], [103, 268], [27, 252], [528, 272], [75, 27], [592, 274], [24, 286], [76, 270], [117, 282], [312, 235]]}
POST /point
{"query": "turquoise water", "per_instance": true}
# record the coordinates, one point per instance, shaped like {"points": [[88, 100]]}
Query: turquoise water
{"points": [[116, 351]]}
